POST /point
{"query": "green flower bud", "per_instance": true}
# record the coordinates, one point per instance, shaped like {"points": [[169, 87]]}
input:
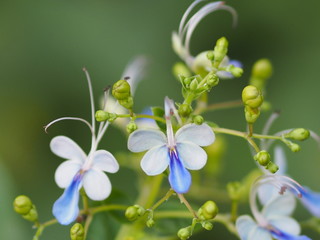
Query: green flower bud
{"points": [[295, 147], [207, 225], [77, 232], [131, 127], [251, 115], [180, 69], [262, 69], [184, 233], [127, 103], [299, 134], [210, 55], [32, 215], [252, 96], [131, 213], [212, 80], [208, 211], [187, 81], [272, 167], [22, 204], [184, 110], [234, 190], [102, 116], [266, 106], [121, 90], [198, 119], [263, 158], [150, 223], [194, 85], [140, 210], [220, 50], [236, 71]]}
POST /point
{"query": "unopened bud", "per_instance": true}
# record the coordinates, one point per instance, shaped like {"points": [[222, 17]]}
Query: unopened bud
{"points": [[150, 223], [212, 80], [77, 232], [32, 215], [131, 127], [210, 55], [184, 110], [236, 71], [220, 50], [208, 211], [207, 225], [140, 210], [299, 134], [262, 69], [22, 204], [263, 158], [194, 85], [198, 119], [184, 233], [180, 69], [102, 116], [252, 96], [234, 190], [251, 115], [127, 102], [121, 90], [131, 213], [272, 167]]}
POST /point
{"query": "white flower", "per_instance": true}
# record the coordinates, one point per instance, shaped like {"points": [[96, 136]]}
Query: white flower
{"points": [[180, 152]]}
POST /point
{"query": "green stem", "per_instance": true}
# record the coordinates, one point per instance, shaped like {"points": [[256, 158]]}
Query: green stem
{"points": [[165, 198], [105, 208], [87, 225], [234, 210], [187, 204]]}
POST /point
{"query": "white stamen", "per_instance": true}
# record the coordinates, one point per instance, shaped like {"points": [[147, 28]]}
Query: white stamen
{"points": [[267, 127], [93, 122], [168, 113], [69, 118]]}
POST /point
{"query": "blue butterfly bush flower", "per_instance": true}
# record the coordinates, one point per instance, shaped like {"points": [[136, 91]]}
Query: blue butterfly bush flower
{"points": [[179, 151], [181, 39], [274, 221]]}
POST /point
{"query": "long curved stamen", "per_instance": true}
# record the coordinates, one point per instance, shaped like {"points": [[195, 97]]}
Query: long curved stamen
{"points": [[91, 98], [168, 113], [267, 127], [69, 118]]}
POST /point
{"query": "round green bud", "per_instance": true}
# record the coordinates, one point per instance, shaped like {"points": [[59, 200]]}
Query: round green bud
{"points": [[295, 147], [210, 55], [207, 225], [102, 116], [180, 69], [77, 232], [236, 71], [272, 167], [184, 110], [32, 215], [198, 119], [208, 210], [252, 96], [127, 102], [263, 158], [184, 233], [131, 127], [194, 85], [140, 210], [150, 223], [299, 134], [266, 106], [121, 90], [251, 115], [262, 69], [131, 213], [22, 204], [212, 80]]}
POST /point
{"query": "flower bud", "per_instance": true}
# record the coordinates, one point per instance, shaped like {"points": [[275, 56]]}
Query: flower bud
{"points": [[236, 71], [184, 233], [77, 232], [131, 127], [127, 102], [294, 147], [251, 115], [220, 50], [252, 96], [234, 190], [210, 55], [299, 134], [212, 80], [32, 215], [194, 85], [262, 69], [198, 119], [207, 225], [150, 223], [272, 167], [140, 210], [180, 69], [121, 90], [102, 116], [131, 213], [22, 205], [263, 158], [208, 210], [184, 110]]}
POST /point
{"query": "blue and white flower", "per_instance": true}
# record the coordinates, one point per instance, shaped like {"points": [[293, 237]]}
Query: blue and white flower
{"points": [[274, 221], [181, 39], [180, 151]]}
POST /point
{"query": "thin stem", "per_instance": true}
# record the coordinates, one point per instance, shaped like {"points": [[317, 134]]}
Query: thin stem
{"points": [[187, 204], [84, 200], [220, 106], [250, 128], [234, 210], [159, 119], [105, 208], [165, 198], [87, 225]]}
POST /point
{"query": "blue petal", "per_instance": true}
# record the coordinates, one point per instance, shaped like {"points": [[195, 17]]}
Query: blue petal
{"points": [[311, 200], [66, 209], [277, 234], [179, 177]]}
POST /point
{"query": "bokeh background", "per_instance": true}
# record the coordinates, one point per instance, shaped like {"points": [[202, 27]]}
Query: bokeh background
{"points": [[44, 45]]}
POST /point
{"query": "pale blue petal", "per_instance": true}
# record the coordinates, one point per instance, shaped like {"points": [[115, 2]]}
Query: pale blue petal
{"points": [[259, 233], [142, 140], [285, 224], [97, 185], [267, 192], [282, 205], [104, 161], [179, 177], [277, 234], [244, 225], [192, 156], [311, 201], [201, 135], [66, 208], [155, 161]]}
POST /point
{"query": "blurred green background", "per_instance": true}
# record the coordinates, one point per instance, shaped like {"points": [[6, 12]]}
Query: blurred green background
{"points": [[44, 45]]}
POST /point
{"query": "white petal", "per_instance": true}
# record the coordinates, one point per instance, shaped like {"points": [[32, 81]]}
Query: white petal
{"points": [[259, 233], [105, 161], [285, 224], [282, 205], [267, 192], [244, 225], [97, 185], [192, 156], [65, 173], [155, 161], [66, 148], [201, 135], [142, 140]]}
